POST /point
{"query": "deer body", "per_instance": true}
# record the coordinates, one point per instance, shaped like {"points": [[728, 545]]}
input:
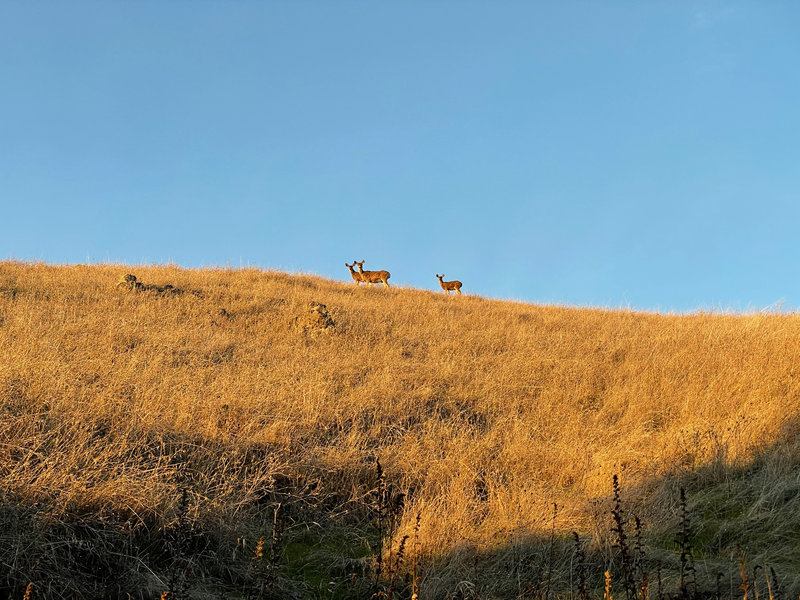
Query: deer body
{"points": [[373, 276], [355, 274], [449, 285]]}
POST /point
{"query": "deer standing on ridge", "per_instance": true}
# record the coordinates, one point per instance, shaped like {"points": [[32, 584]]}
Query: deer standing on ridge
{"points": [[371, 277], [449, 285], [356, 275]]}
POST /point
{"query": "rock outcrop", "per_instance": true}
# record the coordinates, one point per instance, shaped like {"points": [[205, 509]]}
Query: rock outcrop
{"points": [[317, 320]]}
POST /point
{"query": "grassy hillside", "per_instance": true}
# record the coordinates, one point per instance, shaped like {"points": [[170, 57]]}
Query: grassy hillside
{"points": [[147, 436]]}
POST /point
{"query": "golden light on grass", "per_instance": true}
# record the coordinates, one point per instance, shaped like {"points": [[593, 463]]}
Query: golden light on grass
{"points": [[484, 412]]}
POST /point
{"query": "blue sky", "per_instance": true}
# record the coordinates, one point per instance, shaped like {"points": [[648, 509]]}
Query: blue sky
{"points": [[641, 154]]}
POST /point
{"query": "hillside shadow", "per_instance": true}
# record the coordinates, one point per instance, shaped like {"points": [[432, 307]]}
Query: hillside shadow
{"points": [[741, 529], [324, 545]]}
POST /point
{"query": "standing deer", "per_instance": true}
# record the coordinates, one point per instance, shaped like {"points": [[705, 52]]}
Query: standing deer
{"points": [[356, 275], [449, 285], [373, 276]]}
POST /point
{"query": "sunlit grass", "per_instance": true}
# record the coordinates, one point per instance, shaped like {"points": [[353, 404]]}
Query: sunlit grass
{"points": [[484, 412]]}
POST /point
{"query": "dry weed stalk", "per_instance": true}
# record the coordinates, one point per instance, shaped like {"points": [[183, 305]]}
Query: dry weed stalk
{"points": [[263, 571], [550, 547], [687, 587], [580, 568], [415, 560], [179, 548], [660, 582], [744, 587], [621, 541], [773, 585]]}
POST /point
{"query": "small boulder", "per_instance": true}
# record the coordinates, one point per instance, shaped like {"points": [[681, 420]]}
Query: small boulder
{"points": [[316, 320], [129, 282]]}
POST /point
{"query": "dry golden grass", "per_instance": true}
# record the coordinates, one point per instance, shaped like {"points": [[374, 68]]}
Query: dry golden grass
{"points": [[485, 412]]}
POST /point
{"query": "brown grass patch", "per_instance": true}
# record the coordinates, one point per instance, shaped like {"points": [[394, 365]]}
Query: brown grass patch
{"points": [[484, 412]]}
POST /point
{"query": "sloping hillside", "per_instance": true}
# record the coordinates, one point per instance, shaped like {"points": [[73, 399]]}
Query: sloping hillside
{"points": [[147, 435]]}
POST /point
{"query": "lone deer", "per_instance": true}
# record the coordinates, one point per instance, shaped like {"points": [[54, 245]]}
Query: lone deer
{"points": [[449, 285], [373, 276], [356, 275]]}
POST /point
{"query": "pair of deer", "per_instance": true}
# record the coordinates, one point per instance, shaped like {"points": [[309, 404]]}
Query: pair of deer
{"points": [[382, 276], [367, 276]]}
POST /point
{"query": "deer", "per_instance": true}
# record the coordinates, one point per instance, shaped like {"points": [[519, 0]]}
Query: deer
{"points": [[371, 277], [449, 285], [356, 275]]}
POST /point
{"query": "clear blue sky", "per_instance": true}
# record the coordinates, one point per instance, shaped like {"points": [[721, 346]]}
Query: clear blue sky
{"points": [[644, 154]]}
